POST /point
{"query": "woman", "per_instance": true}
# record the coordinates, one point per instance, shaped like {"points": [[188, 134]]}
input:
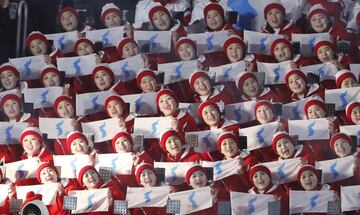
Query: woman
{"points": [[146, 80], [345, 79], [9, 77], [353, 113], [215, 18], [115, 107], [34, 146], [78, 144], [325, 52], [69, 20], [111, 16]]}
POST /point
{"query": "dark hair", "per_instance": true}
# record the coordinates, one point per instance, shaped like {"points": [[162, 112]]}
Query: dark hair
{"points": [[32, 208]]}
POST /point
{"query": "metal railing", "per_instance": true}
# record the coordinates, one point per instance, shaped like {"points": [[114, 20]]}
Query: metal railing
{"points": [[21, 28]]}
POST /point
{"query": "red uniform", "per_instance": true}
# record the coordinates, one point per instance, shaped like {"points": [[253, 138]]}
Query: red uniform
{"points": [[287, 28], [219, 94]]}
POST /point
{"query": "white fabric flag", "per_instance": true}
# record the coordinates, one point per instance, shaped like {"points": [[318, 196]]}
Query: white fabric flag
{"points": [[90, 200], [177, 71], [89, 103], [48, 192], [206, 140], [20, 170], [310, 201], [350, 198], [222, 168], [77, 66], [103, 130], [151, 127], [284, 171], [294, 110], [274, 72], [336, 169], [160, 41], [209, 41], [228, 72], [326, 71], [314, 129], [55, 128], [70, 164], [342, 97], [42, 97], [191, 108], [143, 103], [308, 42], [260, 43], [174, 171], [10, 132], [64, 41], [241, 112], [120, 163], [108, 36], [126, 69], [259, 136], [245, 203], [147, 197], [4, 189], [352, 130], [193, 200], [29, 67], [355, 68]]}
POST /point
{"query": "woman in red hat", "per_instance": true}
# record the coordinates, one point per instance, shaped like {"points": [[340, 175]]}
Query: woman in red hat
{"points": [[309, 178], [78, 144], [9, 77], [353, 113], [34, 146], [345, 79], [146, 81], [214, 16], [69, 20], [111, 16], [115, 107], [4, 208]]}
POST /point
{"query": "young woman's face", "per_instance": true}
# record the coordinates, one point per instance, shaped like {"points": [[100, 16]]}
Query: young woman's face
{"points": [[148, 84], [214, 20], [234, 52], [65, 109], [11, 109], [319, 22], [342, 148], [325, 54], [167, 105], [309, 180], [51, 79], [38, 47], [297, 84], [355, 115], [186, 52], [173, 145], [31, 144], [90, 179], [84, 48], [112, 20], [348, 83], [9, 80], [282, 52], [261, 180], [115, 109], [130, 49], [122, 145], [229, 148], [198, 179], [315, 112], [68, 21], [202, 86], [103, 80], [264, 114], [47, 175], [161, 21], [250, 87], [147, 178], [211, 115], [275, 18], [79, 147], [285, 148]]}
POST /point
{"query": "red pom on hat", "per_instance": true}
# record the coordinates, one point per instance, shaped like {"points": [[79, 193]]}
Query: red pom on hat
{"points": [[8, 97], [310, 168], [73, 136], [140, 168], [68, 9], [195, 75], [241, 78], [181, 41], [43, 166], [60, 99], [46, 70], [113, 98], [7, 66], [102, 67], [342, 75], [337, 136], [117, 136], [223, 136], [315, 100], [163, 92], [205, 104], [167, 134], [122, 43], [324, 43], [273, 6], [349, 109], [258, 168], [191, 171], [35, 35], [31, 131], [214, 6], [82, 172], [280, 40], [141, 74], [295, 71], [82, 40], [234, 39], [261, 103], [278, 136], [109, 8], [317, 8], [156, 9], [30, 197]]}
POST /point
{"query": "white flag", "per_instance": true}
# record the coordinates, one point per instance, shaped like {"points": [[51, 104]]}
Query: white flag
{"points": [[175, 172], [48, 192], [259, 136], [71, 164], [159, 41], [103, 130], [326, 71], [90, 200], [260, 43], [209, 41], [108, 36], [77, 66], [4, 188], [241, 112], [151, 127], [351, 130], [355, 68], [20, 170], [10, 132], [284, 171], [64, 41], [126, 69], [336, 169], [228, 72], [350, 198], [342, 97], [147, 197], [294, 110], [310, 201], [42, 97], [274, 72], [29, 67], [89, 103], [55, 128], [245, 203], [222, 168], [193, 200], [205, 140], [143, 103], [120, 163], [177, 71], [308, 42], [191, 108], [314, 129]]}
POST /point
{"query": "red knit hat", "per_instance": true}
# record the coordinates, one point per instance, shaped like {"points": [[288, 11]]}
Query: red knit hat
{"points": [[234, 39], [257, 168], [324, 43], [308, 167], [181, 41], [43, 166], [30, 197], [49, 68], [156, 9], [73, 136], [167, 134], [224, 136], [195, 75], [337, 136], [315, 100], [109, 8], [140, 168], [7, 97], [82, 172], [68, 9], [35, 35], [7, 66], [279, 135], [205, 104], [105, 68], [143, 73], [214, 6], [290, 73], [82, 40], [241, 78], [273, 6], [280, 40], [342, 75], [122, 43], [31, 131], [191, 171], [317, 8], [60, 99], [163, 92], [117, 136], [349, 109], [261, 103], [113, 98]]}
